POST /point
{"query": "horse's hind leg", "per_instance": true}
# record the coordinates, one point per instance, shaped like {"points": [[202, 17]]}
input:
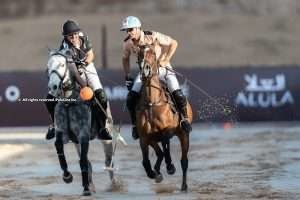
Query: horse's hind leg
{"points": [[59, 145], [168, 160], [184, 141], [160, 157], [146, 162]]}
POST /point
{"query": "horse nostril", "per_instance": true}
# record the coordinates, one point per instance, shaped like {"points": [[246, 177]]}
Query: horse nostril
{"points": [[54, 87]]}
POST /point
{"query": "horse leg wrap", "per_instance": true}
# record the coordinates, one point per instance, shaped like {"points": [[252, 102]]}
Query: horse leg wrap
{"points": [[108, 151], [148, 169], [160, 157], [60, 153], [85, 179], [90, 171], [166, 149], [84, 163], [184, 165]]}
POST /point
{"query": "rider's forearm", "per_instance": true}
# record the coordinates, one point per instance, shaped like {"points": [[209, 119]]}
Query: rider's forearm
{"points": [[126, 66], [171, 51], [90, 57]]}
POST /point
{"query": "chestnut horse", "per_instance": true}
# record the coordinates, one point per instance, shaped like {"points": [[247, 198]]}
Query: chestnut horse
{"points": [[157, 120]]}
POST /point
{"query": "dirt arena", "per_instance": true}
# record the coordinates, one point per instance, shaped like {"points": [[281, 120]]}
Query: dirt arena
{"points": [[240, 161]]}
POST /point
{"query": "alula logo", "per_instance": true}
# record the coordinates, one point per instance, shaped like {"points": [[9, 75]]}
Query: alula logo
{"points": [[265, 92]]}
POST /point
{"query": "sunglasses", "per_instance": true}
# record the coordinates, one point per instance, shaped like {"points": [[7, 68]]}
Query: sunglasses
{"points": [[129, 30]]}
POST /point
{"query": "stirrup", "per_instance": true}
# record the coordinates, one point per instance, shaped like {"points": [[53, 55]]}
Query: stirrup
{"points": [[185, 125], [50, 133]]}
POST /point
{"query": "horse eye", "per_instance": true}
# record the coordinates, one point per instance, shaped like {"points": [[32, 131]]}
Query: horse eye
{"points": [[54, 87]]}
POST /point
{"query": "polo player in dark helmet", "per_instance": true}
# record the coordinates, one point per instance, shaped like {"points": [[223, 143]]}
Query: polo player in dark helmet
{"points": [[82, 53]]}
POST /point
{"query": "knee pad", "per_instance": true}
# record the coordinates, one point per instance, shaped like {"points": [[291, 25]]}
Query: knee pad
{"points": [[179, 98], [101, 97], [59, 145]]}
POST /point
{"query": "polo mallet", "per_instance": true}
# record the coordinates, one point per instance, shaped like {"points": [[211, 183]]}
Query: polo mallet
{"points": [[115, 133], [225, 109]]}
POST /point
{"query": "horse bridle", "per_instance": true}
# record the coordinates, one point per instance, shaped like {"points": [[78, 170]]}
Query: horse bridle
{"points": [[63, 85], [147, 78]]}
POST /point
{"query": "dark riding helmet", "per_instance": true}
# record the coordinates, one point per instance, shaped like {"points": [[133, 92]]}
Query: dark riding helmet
{"points": [[70, 27]]}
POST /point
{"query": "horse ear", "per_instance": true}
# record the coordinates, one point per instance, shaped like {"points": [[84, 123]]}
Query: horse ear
{"points": [[51, 51], [68, 53]]}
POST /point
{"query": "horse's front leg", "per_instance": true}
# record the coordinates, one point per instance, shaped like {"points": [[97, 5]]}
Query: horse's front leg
{"points": [[84, 165], [59, 145], [184, 141], [168, 160], [160, 157], [146, 162], [91, 186]]}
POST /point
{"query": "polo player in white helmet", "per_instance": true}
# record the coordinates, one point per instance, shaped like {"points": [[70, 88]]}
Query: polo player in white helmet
{"points": [[165, 47]]}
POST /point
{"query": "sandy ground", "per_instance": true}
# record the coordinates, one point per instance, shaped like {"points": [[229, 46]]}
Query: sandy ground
{"points": [[243, 161]]}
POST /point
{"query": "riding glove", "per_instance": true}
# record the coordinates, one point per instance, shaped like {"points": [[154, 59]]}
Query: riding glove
{"points": [[80, 62]]}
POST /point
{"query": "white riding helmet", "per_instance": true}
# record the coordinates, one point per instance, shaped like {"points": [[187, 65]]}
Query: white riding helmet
{"points": [[130, 22]]}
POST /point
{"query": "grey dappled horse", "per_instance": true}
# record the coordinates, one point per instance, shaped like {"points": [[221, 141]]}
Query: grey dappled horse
{"points": [[72, 118]]}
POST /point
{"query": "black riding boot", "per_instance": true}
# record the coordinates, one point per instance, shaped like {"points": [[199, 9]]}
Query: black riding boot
{"points": [[50, 105], [101, 116], [131, 102], [181, 102]]}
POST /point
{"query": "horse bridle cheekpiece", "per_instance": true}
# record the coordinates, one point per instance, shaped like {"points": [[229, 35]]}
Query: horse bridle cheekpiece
{"points": [[146, 67], [67, 84]]}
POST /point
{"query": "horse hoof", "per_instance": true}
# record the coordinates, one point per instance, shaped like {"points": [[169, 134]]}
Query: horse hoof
{"points": [[158, 178], [86, 192], [151, 175], [171, 169], [184, 187], [67, 177]]}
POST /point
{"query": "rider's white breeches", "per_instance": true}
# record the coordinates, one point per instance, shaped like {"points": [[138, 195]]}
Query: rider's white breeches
{"points": [[91, 75], [165, 75]]}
